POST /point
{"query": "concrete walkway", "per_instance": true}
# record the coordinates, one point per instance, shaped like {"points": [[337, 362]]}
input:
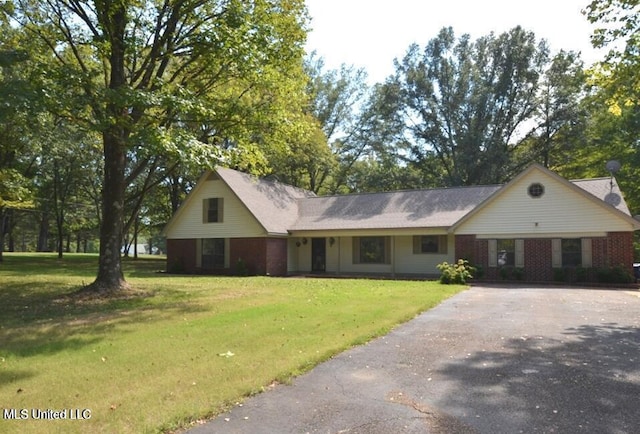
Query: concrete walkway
{"points": [[489, 360]]}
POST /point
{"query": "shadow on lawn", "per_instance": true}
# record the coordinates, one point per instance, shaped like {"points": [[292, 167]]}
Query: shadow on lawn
{"points": [[33, 323], [12, 376], [588, 382]]}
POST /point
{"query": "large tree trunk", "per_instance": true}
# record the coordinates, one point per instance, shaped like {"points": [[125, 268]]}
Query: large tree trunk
{"points": [[110, 278]]}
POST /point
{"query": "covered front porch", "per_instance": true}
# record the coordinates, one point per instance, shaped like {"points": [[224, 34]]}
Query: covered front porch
{"points": [[393, 253]]}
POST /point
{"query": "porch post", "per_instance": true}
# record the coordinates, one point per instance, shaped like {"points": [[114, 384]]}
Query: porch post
{"points": [[393, 256], [339, 242]]}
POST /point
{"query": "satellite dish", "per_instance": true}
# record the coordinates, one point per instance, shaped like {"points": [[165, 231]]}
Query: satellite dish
{"points": [[613, 199], [613, 166]]}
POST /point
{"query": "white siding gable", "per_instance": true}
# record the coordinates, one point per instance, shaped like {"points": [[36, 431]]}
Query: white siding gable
{"points": [[237, 221], [560, 210]]}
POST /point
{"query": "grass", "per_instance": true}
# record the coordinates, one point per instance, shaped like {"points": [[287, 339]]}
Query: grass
{"points": [[187, 349]]}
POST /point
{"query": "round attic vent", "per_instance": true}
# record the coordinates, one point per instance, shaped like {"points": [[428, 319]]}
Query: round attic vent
{"points": [[536, 190]]}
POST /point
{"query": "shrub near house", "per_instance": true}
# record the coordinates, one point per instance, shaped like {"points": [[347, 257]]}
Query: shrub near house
{"points": [[458, 273]]}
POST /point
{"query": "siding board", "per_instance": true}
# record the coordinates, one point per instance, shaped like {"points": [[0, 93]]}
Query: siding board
{"points": [[237, 221], [560, 210]]}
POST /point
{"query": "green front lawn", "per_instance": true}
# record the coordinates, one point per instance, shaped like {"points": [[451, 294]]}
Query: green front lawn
{"points": [[186, 349]]}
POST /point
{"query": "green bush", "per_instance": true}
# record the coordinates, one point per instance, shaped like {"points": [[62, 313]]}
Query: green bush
{"points": [[559, 274], [582, 274], [614, 275], [518, 273], [511, 273], [505, 273], [241, 268], [177, 266], [456, 273]]}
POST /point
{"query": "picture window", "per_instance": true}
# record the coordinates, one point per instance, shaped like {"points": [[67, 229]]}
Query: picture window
{"points": [[425, 244], [371, 250]]}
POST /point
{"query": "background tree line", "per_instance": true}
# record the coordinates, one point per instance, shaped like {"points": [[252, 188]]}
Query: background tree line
{"points": [[111, 109]]}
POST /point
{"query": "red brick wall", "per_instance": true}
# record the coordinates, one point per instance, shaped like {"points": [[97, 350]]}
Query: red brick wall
{"points": [[537, 260], [481, 255], [261, 256], [276, 256], [252, 251], [613, 251], [476, 252], [599, 255], [620, 250], [181, 256], [465, 248]]}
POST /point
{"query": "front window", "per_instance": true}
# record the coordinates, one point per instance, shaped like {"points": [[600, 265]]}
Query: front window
{"points": [[506, 253], [213, 253], [430, 244], [371, 250], [571, 252]]}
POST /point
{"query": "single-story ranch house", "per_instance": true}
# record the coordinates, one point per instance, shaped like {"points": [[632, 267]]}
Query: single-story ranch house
{"points": [[534, 227]]}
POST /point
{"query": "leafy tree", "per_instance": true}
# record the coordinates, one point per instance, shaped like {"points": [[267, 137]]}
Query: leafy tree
{"points": [[64, 175], [15, 193], [465, 103], [620, 20], [617, 76], [374, 158], [183, 79], [560, 119], [19, 125], [335, 95], [307, 161], [337, 100], [615, 125]]}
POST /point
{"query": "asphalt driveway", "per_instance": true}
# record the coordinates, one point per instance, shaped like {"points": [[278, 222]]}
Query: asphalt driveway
{"points": [[489, 360]]}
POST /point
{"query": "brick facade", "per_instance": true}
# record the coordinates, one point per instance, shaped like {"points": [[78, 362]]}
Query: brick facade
{"points": [[466, 247], [251, 252], [614, 250], [537, 260], [181, 255], [260, 256], [620, 250], [277, 256]]}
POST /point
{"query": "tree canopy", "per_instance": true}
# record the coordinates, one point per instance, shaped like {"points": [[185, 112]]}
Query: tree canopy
{"points": [[148, 94], [167, 81], [466, 105]]}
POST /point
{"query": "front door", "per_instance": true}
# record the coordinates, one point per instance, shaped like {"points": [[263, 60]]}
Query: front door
{"points": [[318, 254]]}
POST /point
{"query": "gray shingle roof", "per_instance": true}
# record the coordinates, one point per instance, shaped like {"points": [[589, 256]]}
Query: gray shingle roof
{"points": [[273, 204], [605, 189], [281, 208], [440, 207]]}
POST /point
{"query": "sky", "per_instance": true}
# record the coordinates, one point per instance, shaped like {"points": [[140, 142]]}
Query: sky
{"points": [[371, 33]]}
